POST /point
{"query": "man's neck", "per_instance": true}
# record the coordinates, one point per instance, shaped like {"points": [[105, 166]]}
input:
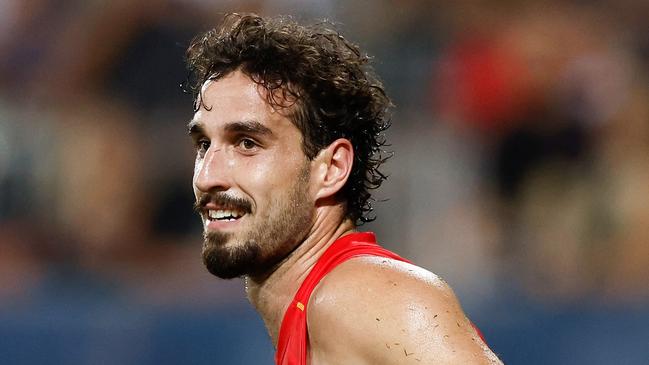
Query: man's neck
{"points": [[271, 295]]}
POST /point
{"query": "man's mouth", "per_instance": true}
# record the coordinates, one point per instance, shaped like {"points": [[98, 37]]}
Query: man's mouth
{"points": [[227, 215], [221, 211]]}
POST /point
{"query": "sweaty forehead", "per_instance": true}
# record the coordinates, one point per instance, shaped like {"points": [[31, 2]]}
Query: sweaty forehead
{"points": [[236, 97], [232, 92]]}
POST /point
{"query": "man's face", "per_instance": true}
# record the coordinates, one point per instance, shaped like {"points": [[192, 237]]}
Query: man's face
{"points": [[251, 179]]}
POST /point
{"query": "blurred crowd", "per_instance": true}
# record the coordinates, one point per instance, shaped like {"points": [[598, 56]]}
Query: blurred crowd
{"points": [[520, 133]]}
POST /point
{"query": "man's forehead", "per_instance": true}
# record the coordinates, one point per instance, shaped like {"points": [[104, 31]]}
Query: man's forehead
{"points": [[235, 85], [231, 96], [238, 82], [236, 96]]}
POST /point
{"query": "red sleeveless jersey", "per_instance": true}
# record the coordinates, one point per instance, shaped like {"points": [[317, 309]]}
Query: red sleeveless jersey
{"points": [[292, 344]]}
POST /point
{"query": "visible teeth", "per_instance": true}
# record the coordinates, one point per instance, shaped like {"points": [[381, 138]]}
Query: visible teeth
{"points": [[221, 214]]}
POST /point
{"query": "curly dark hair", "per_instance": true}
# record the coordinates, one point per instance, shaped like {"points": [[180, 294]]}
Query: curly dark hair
{"points": [[336, 94]]}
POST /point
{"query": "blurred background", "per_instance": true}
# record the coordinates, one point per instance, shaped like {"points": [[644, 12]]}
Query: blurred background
{"points": [[520, 175]]}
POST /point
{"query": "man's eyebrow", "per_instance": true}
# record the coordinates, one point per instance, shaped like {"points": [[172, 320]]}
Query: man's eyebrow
{"points": [[248, 126]]}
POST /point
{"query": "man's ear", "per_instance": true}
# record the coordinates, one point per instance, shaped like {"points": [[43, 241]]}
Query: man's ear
{"points": [[334, 164]]}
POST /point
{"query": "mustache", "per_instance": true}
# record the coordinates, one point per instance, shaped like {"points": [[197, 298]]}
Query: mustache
{"points": [[224, 201]]}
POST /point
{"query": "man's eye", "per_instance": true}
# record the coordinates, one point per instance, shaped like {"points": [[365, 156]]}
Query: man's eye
{"points": [[202, 146], [247, 144]]}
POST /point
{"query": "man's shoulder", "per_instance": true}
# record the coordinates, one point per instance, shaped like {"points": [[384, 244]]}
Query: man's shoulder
{"points": [[370, 276], [384, 310], [372, 283]]}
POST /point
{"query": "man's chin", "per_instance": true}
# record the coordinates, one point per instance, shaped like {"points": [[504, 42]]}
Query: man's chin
{"points": [[223, 272], [227, 262]]}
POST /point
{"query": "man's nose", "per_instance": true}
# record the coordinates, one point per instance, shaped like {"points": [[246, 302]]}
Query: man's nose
{"points": [[212, 172]]}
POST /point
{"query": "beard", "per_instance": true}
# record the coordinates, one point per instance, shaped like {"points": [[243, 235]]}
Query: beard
{"points": [[269, 239]]}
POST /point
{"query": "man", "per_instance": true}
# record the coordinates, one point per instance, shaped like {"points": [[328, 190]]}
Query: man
{"points": [[287, 129]]}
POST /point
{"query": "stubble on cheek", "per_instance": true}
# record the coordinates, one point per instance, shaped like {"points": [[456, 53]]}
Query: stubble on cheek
{"points": [[268, 240]]}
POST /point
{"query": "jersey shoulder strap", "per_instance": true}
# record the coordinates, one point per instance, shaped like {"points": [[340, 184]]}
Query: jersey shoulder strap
{"points": [[292, 344]]}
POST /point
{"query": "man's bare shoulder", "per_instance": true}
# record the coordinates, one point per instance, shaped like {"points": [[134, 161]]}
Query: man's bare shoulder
{"points": [[382, 311]]}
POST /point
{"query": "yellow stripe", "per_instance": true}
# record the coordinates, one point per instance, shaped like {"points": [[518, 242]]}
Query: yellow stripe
{"points": [[300, 306]]}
